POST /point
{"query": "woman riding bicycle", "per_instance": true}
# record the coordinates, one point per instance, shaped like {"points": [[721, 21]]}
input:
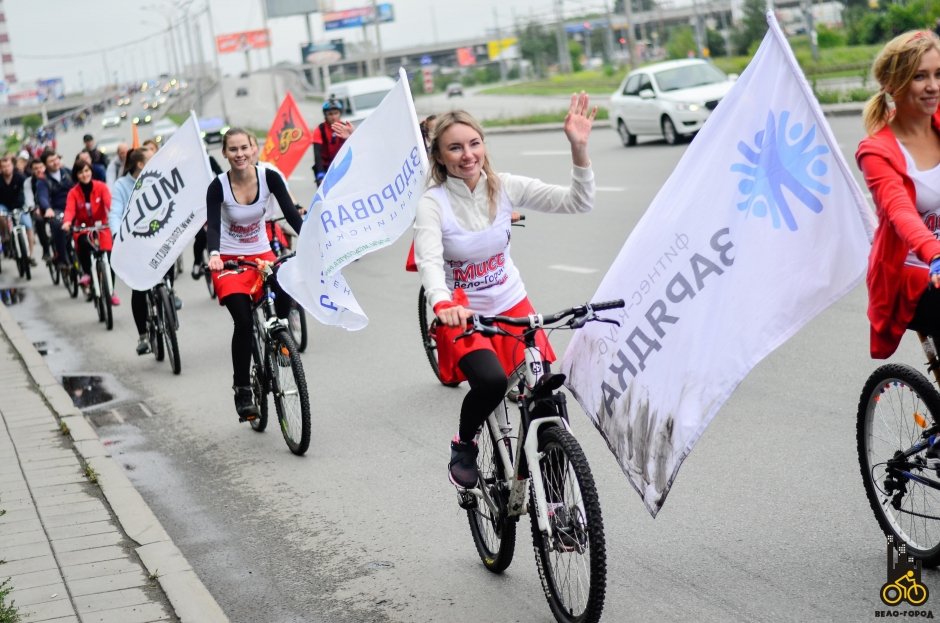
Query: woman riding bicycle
{"points": [[132, 167], [462, 232], [87, 204], [900, 160], [236, 210]]}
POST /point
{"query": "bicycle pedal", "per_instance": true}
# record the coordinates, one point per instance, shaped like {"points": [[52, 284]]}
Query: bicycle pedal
{"points": [[466, 500]]}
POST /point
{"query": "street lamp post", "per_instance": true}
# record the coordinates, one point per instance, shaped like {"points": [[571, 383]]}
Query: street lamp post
{"points": [[264, 16], [215, 56]]}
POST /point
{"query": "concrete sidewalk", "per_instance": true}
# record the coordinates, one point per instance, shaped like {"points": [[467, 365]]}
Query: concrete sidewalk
{"points": [[76, 539]]}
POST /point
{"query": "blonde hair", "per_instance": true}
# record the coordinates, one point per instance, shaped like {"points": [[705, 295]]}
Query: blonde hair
{"points": [[439, 171], [893, 69]]}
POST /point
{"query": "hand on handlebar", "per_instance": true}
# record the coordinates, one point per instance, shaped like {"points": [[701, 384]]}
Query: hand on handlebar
{"points": [[66, 226], [453, 315], [215, 263]]}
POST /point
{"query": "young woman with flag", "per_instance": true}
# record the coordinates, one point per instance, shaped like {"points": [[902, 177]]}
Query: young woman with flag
{"points": [[900, 160], [462, 232], [236, 204]]}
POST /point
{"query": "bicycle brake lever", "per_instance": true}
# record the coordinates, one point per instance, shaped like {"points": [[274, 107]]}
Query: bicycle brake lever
{"points": [[608, 320]]}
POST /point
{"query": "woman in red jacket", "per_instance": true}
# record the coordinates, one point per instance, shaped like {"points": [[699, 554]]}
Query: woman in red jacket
{"points": [[900, 160], [87, 204]]}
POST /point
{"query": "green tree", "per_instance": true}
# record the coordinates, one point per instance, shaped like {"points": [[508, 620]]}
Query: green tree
{"points": [[538, 46], [31, 123], [681, 43], [752, 27], [716, 43]]}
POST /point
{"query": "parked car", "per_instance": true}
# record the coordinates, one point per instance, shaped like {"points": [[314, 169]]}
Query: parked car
{"points": [[454, 88], [111, 119], [670, 99], [142, 117], [241, 91], [163, 130], [212, 128]]}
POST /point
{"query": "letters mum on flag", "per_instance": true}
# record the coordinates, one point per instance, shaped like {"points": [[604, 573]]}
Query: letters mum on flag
{"points": [[760, 227], [365, 202], [288, 138]]}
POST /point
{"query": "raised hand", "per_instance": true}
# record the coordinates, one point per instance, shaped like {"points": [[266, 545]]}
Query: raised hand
{"points": [[578, 123]]}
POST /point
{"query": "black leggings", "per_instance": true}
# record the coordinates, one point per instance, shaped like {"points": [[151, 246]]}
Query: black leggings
{"points": [[199, 247], [487, 382], [139, 309], [240, 306], [927, 315]]}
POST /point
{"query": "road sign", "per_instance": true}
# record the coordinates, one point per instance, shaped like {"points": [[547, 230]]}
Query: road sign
{"points": [[426, 59], [242, 41]]}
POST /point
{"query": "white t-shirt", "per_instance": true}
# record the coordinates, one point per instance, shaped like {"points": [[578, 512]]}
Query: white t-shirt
{"points": [[927, 193]]}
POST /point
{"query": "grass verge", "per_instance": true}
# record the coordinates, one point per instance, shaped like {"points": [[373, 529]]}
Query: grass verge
{"points": [[548, 117], [8, 610]]}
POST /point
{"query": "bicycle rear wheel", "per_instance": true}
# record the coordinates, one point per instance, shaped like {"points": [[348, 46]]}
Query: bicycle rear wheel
{"points": [[260, 383], [22, 252], [289, 387], [573, 563], [494, 533], [427, 334], [157, 343], [169, 330], [897, 409], [71, 281], [297, 324]]}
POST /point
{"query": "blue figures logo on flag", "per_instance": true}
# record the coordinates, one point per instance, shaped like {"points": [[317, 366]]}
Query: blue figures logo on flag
{"points": [[782, 158], [334, 174]]}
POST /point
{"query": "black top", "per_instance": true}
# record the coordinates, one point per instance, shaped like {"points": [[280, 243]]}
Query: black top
{"points": [[214, 199]]}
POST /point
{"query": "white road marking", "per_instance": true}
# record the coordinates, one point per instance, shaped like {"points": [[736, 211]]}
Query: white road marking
{"points": [[144, 408], [573, 269], [547, 152], [610, 189]]}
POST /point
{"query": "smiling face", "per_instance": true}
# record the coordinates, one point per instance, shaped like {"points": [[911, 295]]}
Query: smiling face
{"points": [[237, 150], [922, 95], [462, 151], [83, 174]]}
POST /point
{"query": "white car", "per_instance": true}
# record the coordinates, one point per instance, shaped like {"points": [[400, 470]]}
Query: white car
{"points": [[163, 130], [111, 119], [108, 143], [670, 99]]}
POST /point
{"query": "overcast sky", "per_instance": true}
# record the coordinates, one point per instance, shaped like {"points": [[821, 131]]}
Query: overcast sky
{"points": [[64, 38]]}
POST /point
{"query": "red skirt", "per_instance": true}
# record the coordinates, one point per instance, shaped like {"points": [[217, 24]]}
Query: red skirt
{"points": [[510, 351], [241, 281]]}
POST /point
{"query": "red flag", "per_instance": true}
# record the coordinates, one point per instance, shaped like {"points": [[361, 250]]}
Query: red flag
{"points": [[288, 138], [135, 137]]}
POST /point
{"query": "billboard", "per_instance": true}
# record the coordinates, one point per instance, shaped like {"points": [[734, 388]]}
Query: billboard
{"points": [[361, 16], [50, 89], [287, 8], [323, 53], [242, 41]]}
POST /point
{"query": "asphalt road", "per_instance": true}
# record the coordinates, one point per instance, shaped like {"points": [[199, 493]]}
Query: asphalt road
{"points": [[767, 520]]}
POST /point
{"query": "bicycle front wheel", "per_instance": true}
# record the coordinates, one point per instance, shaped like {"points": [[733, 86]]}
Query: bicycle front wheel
{"points": [[572, 563], [54, 272], [169, 330], [209, 283], [897, 409], [494, 532], [260, 381], [289, 387], [71, 281], [105, 299]]}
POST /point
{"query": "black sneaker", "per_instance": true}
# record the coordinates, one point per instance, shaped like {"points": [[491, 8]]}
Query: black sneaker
{"points": [[197, 272], [143, 345], [245, 404], [462, 469]]}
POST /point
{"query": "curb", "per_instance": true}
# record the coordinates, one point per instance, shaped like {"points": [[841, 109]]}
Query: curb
{"points": [[186, 593]]}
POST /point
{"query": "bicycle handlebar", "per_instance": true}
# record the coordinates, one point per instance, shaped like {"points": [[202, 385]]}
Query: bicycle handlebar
{"points": [[243, 263], [580, 315]]}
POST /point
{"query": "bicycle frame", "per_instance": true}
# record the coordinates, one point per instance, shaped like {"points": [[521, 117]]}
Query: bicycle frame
{"points": [[516, 472], [99, 256]]}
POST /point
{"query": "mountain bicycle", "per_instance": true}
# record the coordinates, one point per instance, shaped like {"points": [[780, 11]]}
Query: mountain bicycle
{"points": [[558, 494], [297, 319], [163, 323], [19, 244], [276, 367], [52, 265], [428, 330], [897, 435], [102, 285], [71, 268]]}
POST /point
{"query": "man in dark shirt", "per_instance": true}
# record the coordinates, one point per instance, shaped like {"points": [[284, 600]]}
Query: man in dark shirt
{"points": [[56, 186], [12, 198]]}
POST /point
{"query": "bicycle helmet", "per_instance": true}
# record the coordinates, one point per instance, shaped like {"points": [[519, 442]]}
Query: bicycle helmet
{"points": [[331, 104]]}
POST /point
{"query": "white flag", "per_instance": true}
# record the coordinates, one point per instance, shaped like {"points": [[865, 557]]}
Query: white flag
{"points": [[166, 209], [365, 202], [760, 227]]}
